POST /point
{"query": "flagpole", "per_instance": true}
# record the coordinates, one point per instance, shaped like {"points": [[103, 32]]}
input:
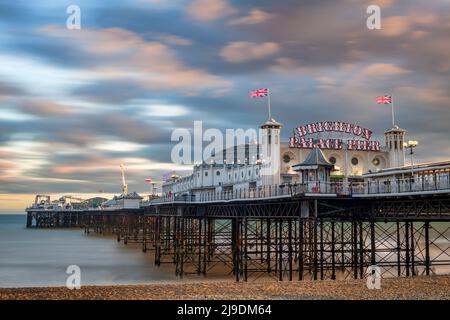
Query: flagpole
{"points": [[393, 115], [268, 103]]}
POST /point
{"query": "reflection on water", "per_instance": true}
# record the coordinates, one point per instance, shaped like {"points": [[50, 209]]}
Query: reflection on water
{"points": [[39, 257]]}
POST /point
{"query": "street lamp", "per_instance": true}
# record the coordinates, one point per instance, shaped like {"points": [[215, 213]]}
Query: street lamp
{"points": [[411, 144]]}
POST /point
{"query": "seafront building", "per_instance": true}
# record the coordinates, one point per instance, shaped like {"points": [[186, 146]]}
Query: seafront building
{"points": [[324, 157]]}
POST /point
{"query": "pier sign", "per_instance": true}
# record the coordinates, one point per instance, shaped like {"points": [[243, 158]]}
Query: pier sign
{"points": [[359, 142]]}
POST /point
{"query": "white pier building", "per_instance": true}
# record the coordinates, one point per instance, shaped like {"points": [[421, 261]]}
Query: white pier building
{"points": [[330, 153]]}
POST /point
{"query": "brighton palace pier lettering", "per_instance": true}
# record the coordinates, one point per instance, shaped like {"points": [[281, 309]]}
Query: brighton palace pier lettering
{"points": [[300, 141]]}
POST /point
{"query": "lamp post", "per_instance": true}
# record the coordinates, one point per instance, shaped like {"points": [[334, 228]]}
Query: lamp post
{"points": [[411, 144]]}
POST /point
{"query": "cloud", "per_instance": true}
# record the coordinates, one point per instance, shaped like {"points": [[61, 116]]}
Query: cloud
{"points": [[382, 70], [151, 64], [395, 26], [255, 16], [243, 51], [10, 89], [175, 40], [44, 108], [381, 3], [210, 10]]}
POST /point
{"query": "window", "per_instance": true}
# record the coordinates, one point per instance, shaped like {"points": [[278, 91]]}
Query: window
{"points": [[206, 173], [218, 173], [376, 161], [286, 157], [332, 160], [242, 174], [355, 161]]}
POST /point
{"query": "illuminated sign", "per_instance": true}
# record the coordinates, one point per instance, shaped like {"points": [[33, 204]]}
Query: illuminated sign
{"points": [[301, 141]]}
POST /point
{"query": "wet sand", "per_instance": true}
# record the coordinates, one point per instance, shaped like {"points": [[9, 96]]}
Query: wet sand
{"points": [[433, 287]]}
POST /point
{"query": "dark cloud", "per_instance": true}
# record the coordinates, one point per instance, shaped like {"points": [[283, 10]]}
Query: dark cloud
{"points": [[115, 92], [10, 89]]}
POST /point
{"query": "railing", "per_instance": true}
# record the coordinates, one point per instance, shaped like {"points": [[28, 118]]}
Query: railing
{"points": [[268, 191], [417, 185]]}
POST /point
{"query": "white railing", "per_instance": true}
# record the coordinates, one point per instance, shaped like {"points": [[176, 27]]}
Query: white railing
{"points": [[269, 191], [417, 185]]}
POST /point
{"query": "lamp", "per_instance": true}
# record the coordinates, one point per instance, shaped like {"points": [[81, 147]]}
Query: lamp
{"points": [[411, 144]]}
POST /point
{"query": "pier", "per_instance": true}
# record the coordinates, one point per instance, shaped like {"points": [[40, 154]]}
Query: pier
{"points": [[287, 233]]}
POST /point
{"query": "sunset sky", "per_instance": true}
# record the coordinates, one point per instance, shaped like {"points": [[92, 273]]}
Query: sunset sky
{"points": [[74, 104]]}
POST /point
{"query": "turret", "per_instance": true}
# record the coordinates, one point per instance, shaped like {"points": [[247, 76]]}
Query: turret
{"points": [[394, 139], [270, 153]]}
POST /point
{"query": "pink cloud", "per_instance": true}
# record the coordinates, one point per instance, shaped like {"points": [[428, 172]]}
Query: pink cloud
{"points": [[210, 10], [254, 17], [243, 51]]}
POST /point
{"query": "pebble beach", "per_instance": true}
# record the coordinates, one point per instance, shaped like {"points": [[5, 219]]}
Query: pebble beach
{"points": [[416, 288]]}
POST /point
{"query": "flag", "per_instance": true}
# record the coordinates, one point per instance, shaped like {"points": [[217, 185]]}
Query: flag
{"points": [[149, 180], [384, 99], [259, 93]]}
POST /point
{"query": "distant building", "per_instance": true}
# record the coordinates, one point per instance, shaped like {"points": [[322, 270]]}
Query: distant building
{"points": [[124, 201]]}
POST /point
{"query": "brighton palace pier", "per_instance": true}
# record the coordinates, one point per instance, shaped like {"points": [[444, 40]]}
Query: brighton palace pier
{"points": [[338, 202]]}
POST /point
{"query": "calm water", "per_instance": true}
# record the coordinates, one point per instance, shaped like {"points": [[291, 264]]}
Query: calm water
{"points": [[40, 257], [33, 257]]}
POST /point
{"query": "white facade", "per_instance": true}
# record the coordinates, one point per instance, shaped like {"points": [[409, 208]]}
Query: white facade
{"points": [[248, 173], [124, 201]]}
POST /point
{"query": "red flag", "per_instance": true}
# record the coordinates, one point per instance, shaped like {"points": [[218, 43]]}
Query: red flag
{"points": [[384, 99], [259, 93], [149, 180]]}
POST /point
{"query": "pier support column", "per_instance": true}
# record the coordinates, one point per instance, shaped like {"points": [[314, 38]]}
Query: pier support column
{"points": [[29, 219], [333, 252], [413, 267], [236, 247], [300, 258], [399, 248], [427, 247], [407, 257]]}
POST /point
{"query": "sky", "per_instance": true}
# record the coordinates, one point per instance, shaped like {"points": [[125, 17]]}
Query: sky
{"points": [[75, 104]]}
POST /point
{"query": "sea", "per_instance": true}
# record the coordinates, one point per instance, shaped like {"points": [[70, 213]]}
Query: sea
{"points": [[40, 257]]}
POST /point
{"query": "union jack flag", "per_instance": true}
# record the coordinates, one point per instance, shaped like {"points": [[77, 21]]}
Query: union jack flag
{"points": [[259, 93], [384, 99]]}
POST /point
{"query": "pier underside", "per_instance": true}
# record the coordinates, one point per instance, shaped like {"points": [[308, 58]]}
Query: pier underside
{"points": [[286, 239]]}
